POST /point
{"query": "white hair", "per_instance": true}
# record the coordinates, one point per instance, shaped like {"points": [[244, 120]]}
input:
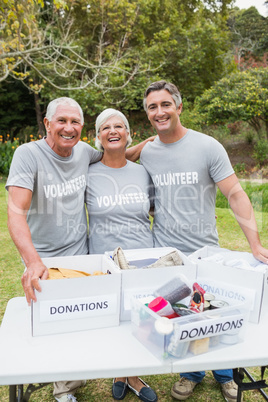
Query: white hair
{"points": [[103, 117], [52, 107]]}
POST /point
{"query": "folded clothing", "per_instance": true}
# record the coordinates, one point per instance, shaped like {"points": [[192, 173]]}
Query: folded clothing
{"points": [[63, 273]]}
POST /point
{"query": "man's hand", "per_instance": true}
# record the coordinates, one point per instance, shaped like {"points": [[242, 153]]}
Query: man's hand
{"points": [[30, 280], [260, 253]]}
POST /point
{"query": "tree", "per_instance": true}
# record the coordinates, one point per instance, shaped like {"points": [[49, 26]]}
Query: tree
{"points": [[199, 58], [69, 46], [13, 119], [183, 42], [249, 37], [105, 53], [241, 96], [39, 40]]}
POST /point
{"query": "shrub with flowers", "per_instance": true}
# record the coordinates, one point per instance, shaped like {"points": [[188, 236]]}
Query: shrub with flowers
{"points": [[89, 140], [7, 149]]}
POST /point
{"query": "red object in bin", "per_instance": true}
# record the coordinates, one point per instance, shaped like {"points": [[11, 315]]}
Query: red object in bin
{"points": [[162, 307]]}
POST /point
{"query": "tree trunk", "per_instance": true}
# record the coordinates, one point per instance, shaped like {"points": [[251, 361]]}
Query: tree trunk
{"points": [[39, 117]]}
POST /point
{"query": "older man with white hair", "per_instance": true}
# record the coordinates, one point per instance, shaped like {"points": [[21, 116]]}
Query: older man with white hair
{"points": [[46, 209]]}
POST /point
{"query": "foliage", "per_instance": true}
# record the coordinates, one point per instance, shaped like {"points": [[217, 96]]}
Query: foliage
{"points": [[104, 54], [42, 45], [16, 108], [219, 132], [249, 37], [199, 59], [249, 137], [8, 147], [189, 117], [20, 37], [241, 96], [240, 168], [257, 193], [261, 152], [234, 128], [7, 150], [109, 51]]}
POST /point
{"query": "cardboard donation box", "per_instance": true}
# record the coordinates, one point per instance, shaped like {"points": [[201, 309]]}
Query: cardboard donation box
{"points": [[141, 281], [190, 334], [241, 269], [76, 304]]}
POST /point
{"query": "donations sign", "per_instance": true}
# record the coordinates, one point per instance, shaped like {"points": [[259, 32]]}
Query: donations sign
{"points": [[63, 309], [217, 326]]}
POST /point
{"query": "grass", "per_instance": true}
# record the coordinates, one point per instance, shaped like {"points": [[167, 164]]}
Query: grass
{"points": [[11, 268], [257, 193]]}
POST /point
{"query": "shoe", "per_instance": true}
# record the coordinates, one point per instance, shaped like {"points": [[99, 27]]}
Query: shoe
{"points": [[183, 388], [119, 389], [229, 390], [67, 398], [170, 259], [146, 394], [120, 258]]}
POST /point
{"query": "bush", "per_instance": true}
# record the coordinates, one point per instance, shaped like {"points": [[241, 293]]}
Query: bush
{"points": [[219, 132], [249, 138], [261, 152], [7, 150], [257, 193], [240, 168], [235, 127]]}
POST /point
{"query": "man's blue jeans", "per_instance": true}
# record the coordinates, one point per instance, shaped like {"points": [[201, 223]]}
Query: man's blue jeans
{"points": [[222, 376]]}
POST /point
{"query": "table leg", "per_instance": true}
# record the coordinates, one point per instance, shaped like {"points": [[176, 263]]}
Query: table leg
{"points": [[265, 396], [20, 393], [13, 393], [258, 385], [16, 393], [31, 388], [239, 394]]}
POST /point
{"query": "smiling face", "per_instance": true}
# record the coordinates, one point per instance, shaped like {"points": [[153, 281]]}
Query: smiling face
{"points": [[163, 114], [64, 129], [113, 134]]}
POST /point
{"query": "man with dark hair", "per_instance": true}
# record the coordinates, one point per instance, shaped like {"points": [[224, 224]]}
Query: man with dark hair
{"points": [[186, 168]]}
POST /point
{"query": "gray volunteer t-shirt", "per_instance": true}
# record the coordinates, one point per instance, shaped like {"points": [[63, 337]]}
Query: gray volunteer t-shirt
{"points": [[118, 203], [184, 174], [57, 216]]}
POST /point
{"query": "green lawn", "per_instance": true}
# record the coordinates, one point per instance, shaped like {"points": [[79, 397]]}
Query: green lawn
{"points": [[11, 269]]}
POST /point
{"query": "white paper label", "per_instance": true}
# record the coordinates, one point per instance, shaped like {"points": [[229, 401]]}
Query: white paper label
{"points": [[137, 294], [229, 293], [71, 309], [198, 330]]}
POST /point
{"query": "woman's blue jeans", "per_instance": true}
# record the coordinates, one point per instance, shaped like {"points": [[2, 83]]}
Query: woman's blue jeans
{"points": [[222, 376]]}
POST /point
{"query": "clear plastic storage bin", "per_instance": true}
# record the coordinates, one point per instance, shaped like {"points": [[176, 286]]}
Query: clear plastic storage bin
{"points": [[189, 335]]}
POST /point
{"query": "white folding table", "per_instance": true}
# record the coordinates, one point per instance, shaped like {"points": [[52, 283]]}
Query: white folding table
{"points": [[104, 353]]}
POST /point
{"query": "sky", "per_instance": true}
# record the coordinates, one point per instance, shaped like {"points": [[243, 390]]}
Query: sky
{"points": [[259, 4]]}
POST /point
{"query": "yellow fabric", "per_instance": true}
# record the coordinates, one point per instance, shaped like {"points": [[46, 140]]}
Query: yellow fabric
{"points": [[61, 273]]}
